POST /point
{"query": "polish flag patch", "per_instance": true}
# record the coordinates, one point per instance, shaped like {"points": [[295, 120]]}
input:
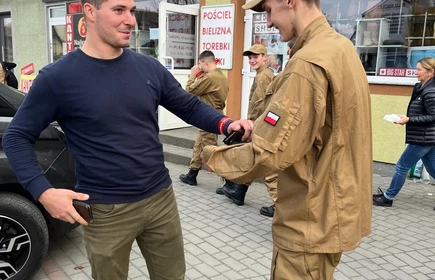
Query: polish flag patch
{"points": [[272, 118]]}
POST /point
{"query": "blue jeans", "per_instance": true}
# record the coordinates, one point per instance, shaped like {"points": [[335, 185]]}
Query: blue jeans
{"points": [[410, 157]]}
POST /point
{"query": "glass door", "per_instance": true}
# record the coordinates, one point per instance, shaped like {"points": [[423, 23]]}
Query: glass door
{"points": [[57, 32], [7, 50], [177, 49]]}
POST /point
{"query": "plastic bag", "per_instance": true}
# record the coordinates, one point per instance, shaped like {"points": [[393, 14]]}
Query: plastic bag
{"points": [[416, 170], [392, 118]]}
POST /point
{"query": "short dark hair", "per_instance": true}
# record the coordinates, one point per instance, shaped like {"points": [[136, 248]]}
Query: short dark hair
{"points": [[95, 3], [208, 55]]}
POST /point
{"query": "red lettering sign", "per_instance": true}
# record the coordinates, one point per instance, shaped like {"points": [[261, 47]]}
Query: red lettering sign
{"points": [[69, 33], [28, 69], [396, 72], [74, 8], [217, 15]]}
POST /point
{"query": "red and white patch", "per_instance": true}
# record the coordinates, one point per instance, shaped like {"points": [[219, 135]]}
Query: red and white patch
{"points": [[272, 118]]}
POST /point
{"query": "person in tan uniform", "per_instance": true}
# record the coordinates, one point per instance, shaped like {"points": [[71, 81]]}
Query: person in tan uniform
{"points": [[316, 133], [2, 76], [211, 86], [258, 99]]}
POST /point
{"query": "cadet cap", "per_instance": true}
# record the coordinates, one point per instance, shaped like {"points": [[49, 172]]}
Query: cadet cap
{"points": [[256, 49], [255, 5]]}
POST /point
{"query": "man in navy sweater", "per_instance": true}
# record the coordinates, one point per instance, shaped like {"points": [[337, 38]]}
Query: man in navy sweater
{"points": [[104, 97]]}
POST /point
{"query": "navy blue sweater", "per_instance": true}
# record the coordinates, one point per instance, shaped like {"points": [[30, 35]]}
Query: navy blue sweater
{"points": [[107, 109]]}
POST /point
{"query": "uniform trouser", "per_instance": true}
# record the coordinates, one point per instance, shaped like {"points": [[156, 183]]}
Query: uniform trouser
{"points": [[271, 183], [302, 266], [204, 139], [153, 222]]}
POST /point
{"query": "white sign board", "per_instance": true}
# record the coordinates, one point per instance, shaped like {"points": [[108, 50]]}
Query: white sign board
{"points": [[216, 33], [181, 39], [180, 45], [154, 33]]}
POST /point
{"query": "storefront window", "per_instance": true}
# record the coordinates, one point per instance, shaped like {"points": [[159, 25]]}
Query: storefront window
{"points": [[57, 32], [182, 26], [390, 36], [6, 39], [270, 38]]}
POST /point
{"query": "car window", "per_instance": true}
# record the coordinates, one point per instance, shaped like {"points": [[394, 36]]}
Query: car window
{"points": [[6, 110]]}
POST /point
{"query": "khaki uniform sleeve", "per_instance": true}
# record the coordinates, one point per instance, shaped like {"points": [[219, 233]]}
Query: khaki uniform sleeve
{"points": [[258, 101], [300, 106], [199, 86]]}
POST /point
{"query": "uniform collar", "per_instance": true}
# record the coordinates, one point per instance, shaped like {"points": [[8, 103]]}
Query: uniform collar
{"points": [[316, 26], [215, 70], [261, 69]]}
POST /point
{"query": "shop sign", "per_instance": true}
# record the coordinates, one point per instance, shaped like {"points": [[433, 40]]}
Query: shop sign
{"points": [[28, 69], [74, 8], [216, 33], [397, 72], [260, 25], [270, 38], [75, 26], [26, 82], [181, 39]]}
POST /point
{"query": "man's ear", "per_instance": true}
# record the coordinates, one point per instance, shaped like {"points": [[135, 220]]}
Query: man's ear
{"points": [[89, 11]]}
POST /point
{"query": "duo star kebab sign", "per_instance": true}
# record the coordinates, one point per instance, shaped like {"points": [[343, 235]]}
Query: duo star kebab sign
{"points": [[216, 33]]}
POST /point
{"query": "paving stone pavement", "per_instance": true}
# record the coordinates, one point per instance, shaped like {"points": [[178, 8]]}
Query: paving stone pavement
{"points": [[225, 241]]}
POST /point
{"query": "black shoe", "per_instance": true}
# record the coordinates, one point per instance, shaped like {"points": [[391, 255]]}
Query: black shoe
{"points": [[381, 200], [189, 178], [236, 193], [228, 185], [268, 210]]}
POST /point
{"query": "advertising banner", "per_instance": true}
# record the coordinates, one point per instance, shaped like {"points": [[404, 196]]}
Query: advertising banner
{"points": [[75, 26], [216, 33], [181, 39], [270, 38], [26, 82]]}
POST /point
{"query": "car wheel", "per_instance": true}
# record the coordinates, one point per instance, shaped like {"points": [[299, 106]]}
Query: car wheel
{"points": [[23, 237]]}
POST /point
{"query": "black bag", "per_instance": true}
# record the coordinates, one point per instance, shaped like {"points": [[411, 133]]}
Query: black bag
{"points": [[10, 78]]}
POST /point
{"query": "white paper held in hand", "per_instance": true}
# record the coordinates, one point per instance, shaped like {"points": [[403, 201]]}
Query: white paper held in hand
{"points": [[392, 118]]}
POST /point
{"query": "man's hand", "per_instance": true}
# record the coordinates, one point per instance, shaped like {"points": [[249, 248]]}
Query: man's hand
{"points": [[403, 120], [195, 70], [58, 202], [247, 125]]}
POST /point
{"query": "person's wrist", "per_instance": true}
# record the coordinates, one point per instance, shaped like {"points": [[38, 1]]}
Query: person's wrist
{"points": [[45, 194], [223, 125]]}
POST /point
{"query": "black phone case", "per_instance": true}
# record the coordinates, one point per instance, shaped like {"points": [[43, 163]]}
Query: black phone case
{"points": [[84, 210], [234, 138]]}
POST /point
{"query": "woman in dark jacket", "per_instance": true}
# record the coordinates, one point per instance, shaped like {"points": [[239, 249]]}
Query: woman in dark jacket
{"points": [[420, 132]]}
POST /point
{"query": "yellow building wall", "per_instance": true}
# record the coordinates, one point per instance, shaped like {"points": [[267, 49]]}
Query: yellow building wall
{"points": [[388, 138]]}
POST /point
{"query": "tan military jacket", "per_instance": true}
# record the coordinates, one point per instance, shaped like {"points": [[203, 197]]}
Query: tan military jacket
{"points": [[259, 96], [212, 88], [2, 75], [316, 132]]}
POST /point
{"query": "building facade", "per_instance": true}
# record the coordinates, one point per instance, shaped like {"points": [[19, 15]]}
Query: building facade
{"points": [[390, 36]]}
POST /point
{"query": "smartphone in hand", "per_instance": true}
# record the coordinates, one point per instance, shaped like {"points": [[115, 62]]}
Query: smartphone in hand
{"points": [[84, 210], [235, 137]]}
